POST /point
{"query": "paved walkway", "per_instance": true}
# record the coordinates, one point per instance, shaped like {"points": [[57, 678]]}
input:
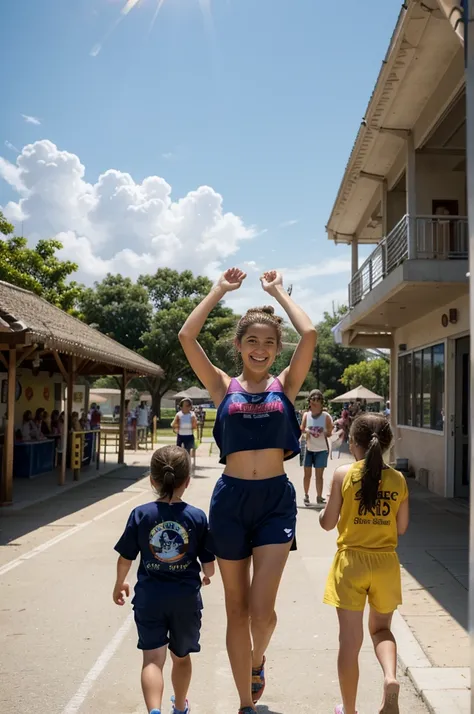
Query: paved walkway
{"points": [[68, 650]]}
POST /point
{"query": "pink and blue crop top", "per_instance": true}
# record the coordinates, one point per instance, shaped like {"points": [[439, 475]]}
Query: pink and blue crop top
{"points": [[266, 420]]}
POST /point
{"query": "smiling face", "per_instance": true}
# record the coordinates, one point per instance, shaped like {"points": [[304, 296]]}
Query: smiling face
{"points": [[258, 347]]}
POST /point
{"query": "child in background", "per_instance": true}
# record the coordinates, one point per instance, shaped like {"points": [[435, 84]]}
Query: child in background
{"points": [[184, 425], [369, 505], [170, 537]]}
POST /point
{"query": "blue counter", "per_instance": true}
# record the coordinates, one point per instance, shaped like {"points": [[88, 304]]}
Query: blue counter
{"points": [[32, 458]]}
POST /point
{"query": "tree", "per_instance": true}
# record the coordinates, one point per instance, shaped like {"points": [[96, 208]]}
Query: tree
{"points": [[373, 374], [119, 308], [37, 269], [174, 296], [146, 316], [333, 358]]}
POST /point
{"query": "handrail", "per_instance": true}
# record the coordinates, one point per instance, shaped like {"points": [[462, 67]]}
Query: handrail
{"points": [[436, 238]]}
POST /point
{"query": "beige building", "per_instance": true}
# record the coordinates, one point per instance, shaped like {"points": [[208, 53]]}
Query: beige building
{"points": [[404, 191]]}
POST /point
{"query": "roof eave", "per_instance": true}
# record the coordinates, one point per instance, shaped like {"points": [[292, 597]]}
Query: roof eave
{"points": [[384, 73]]}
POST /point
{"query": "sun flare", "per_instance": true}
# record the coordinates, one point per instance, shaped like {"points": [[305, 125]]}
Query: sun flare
{"points": [[205, 6]]}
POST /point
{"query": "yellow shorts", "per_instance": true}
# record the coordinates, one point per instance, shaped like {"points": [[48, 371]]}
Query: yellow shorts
{"points": [[357, 575]]}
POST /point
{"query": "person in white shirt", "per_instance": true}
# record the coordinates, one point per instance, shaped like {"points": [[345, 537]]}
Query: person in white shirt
{"points": [[184, 425], [317, 427], [142, 415]]}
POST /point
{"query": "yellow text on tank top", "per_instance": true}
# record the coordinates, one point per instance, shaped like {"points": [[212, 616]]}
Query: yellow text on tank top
{"points": [[375, 529]]}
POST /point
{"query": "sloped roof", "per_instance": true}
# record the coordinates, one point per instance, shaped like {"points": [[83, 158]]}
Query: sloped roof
{"points": [[56, 330], [193, 393]]}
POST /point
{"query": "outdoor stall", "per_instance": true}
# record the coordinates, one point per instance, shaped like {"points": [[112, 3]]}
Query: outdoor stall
{"points": [[43, 349]]}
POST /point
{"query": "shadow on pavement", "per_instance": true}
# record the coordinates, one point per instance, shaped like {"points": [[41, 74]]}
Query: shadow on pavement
{"points": [[435, 550], [15, 524], [263, 709]]}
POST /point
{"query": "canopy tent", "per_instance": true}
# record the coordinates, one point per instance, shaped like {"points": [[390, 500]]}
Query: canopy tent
{"points": [[193, 393], [359, 393]]}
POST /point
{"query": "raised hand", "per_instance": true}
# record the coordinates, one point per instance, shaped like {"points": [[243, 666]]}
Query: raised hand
{"points": [[271, 280], [232, 279]]}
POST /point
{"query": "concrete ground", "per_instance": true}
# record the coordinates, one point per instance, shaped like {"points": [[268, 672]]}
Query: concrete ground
{"points": [[67, 649]]}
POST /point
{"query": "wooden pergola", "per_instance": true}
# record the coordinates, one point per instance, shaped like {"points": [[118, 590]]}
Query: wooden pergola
{"points": [[32, 329]]}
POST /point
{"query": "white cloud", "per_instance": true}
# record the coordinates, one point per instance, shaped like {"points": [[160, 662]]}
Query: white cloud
{"points": [[11, 174], [31, 120], [12, 147], [117, 224], [287, 224]]}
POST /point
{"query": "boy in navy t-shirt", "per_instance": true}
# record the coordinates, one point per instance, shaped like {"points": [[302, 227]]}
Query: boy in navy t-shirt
{"points": [[170, 536]]}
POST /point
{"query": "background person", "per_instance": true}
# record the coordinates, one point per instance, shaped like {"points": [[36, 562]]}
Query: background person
{"points": [[253, 508], [316, 427], [369, 505], [184, 425]]}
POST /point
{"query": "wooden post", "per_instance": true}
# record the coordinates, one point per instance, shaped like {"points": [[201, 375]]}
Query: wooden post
{"points": [[122, 420], [6, 495], [67, 411]]}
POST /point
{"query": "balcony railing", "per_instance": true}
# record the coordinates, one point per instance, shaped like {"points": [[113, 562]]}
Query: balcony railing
{"points": [[420, 238]]}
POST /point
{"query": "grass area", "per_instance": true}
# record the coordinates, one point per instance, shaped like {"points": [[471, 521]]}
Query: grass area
{"points": [[207, 431], [170, 414]]}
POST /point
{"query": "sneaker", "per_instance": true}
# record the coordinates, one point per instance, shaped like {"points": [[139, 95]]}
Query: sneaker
{"points": [[258, 681], [178, 711], [247, 710], [155, 711], [321, 502], [339, 709], [306, 500]]}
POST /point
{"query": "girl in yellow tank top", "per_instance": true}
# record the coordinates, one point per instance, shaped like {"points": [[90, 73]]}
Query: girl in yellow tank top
{"points": [[369, 505]]}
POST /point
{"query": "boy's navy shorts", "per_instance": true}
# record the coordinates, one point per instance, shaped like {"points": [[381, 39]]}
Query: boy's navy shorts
{"points": [[248, 514], [174, 625], [186, 442]]}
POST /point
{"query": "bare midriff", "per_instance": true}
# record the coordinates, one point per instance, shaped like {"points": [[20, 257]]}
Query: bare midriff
{"points": [[255, 465]]}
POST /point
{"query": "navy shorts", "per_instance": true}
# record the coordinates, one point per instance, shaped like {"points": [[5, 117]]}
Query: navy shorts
{"points": [[316, 459], [187, 442], [178, 627], [247, 514]]}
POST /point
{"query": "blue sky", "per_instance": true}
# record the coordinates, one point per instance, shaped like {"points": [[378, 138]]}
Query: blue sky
{"points": [[259, 100]]}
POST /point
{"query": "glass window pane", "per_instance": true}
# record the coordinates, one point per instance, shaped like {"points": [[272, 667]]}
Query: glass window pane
{"points": [[426, 386], [417, 357], [401, 416], [409, 390], [437, 388]]}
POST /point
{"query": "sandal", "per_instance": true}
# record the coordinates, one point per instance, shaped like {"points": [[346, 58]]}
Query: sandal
{"points": [[258, 681]]}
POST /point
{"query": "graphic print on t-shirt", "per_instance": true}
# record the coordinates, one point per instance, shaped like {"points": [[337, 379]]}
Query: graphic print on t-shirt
{"points": [[255, 405], [169, 542]]}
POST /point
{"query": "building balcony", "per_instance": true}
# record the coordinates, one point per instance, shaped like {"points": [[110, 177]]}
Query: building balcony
{"points": [[420, 266], [423, 238]]}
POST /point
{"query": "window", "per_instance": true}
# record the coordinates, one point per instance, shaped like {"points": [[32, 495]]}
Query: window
{"points": [[437, 392], [405, 395], [421, 388], [417, 387]]}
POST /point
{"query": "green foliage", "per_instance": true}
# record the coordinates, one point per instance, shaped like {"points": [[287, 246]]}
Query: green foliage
{"points": [[373, 374], [119, 308], [37, 269], [174, 296], [333, 358], [146, 316]]}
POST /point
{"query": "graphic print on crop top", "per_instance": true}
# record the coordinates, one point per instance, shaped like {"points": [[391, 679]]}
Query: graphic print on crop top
{"points": [[266, 420]]}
